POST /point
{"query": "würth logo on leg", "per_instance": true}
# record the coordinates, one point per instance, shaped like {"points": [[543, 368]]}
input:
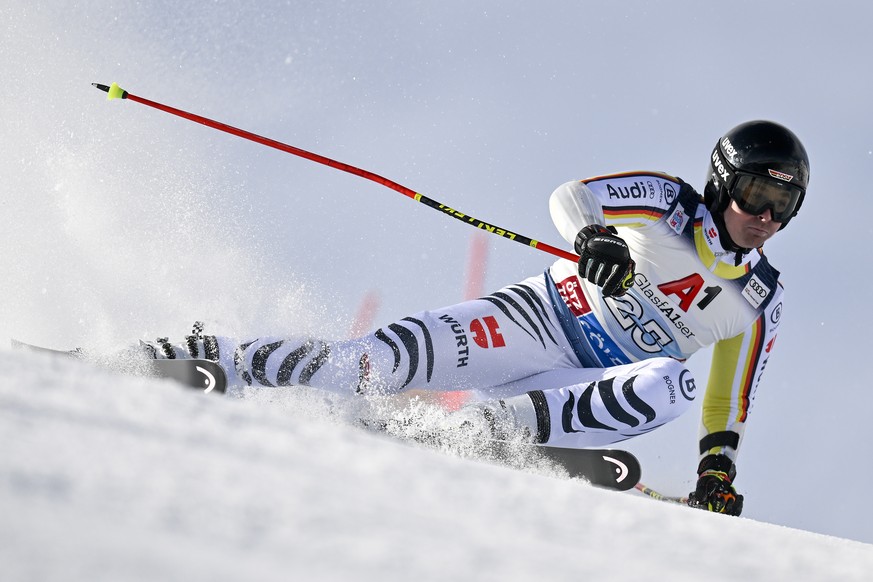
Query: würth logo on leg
{"points": [[481, 336]]}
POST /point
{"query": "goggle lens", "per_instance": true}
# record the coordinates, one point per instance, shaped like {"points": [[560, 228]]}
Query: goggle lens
{"points": [[755, 194]]}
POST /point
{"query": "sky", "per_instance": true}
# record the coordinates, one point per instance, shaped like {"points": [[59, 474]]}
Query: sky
{"points": [[121, 223]]}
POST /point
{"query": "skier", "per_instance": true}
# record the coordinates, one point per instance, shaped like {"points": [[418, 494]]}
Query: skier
{"points": [[592, 353]]}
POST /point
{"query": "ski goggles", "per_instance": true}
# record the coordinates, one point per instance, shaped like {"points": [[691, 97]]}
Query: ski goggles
{"points": [[755, 194]]}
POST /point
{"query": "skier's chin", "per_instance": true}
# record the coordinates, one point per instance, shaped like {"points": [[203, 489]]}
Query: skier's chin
{"points": [[753, 237]]}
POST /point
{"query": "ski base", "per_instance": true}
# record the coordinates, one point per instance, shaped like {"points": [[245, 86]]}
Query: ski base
{"points": [[202, 375]]}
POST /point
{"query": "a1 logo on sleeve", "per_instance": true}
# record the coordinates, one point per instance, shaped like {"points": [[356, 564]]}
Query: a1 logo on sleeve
{"points": [[755, 291]]}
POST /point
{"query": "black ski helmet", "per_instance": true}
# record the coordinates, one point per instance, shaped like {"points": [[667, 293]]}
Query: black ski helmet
{"points": [[757, 150]]}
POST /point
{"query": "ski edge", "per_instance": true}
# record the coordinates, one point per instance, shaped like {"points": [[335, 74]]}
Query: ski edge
{"points": [[198, 374]]}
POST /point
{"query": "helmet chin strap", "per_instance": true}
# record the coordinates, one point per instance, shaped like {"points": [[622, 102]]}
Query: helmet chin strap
{"points": [[724, 237]]}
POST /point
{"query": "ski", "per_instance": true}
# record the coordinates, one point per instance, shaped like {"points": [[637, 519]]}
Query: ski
{"points": [[198, 374], [204, 375], [609, 468], [614, 469]]}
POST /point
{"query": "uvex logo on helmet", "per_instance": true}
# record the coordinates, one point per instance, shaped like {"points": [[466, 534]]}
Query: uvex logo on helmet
{"points": [[780, 175], [720, 166], [729, 148]]}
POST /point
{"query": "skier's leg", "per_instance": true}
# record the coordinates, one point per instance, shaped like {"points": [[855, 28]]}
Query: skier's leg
{"points": [[592, 407], [505, 336]]}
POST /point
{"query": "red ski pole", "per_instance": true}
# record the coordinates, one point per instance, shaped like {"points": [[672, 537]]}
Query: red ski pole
{"points": [[116, 92]]}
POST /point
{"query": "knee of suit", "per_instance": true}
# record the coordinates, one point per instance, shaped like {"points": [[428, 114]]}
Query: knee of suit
{"points": [[677, 382]]}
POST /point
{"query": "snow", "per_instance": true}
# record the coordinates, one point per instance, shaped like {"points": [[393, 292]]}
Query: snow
{"points": [[118, 223], [106, 477]]}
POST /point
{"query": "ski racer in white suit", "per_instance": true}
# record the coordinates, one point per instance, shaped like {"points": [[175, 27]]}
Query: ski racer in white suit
{"points": [[592, 353]]}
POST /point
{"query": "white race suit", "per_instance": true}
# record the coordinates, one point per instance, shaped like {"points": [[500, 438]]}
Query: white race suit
{"points": [[583, 370]]}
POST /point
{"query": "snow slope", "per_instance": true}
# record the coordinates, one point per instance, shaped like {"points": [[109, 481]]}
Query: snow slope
{"points": [[105, 477]]}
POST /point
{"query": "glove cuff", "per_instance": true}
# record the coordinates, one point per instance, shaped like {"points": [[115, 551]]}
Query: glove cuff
{"points": [[718, 464]]}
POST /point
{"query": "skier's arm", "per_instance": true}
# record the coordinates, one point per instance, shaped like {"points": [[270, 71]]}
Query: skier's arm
{"points": [[725, 405], [632, 200], [587, 212], [574, 206], [737, 366]]}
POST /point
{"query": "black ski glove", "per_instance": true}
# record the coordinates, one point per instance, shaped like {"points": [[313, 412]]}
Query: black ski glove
{"points": [[605, 260], [714, 489]]}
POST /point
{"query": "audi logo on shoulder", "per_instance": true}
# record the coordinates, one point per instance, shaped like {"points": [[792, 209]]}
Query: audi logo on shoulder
{"points": [[756, 291], [758, 288]]}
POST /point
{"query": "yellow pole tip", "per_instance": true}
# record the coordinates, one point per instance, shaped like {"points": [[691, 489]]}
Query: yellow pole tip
{"points": [[115, 92]]}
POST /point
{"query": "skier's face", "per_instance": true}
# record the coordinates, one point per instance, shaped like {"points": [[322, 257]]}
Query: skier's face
{"points": [[749, 230]]}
